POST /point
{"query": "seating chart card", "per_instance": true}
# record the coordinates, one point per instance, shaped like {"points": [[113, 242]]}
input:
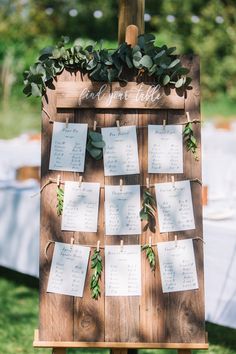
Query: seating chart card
{"points": [[80, 208], [165, 149], [122, 207], [68, 147], [120, 153], [123, 270], [68, 269], [177, 265], [174, 206]]}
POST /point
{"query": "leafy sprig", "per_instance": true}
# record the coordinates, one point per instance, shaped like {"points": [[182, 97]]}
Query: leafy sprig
{"points": [[190, 140], [60, 200], [148, 211], [97, 272], [150, 255], [95, 145], [107, 64]]}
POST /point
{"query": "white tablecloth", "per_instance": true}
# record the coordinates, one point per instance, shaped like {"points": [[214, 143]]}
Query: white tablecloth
{"points": [[19, 226]]}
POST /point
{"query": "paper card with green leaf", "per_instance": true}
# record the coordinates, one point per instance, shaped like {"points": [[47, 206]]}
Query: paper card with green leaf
{"points": [[177, 265], [174, 206], [68, 147], [120, 151], [122, 207], [80, 207], [123, 270], [165, 149], [68, 269]]}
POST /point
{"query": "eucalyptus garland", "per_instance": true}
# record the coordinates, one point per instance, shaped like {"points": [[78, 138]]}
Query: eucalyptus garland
{"points": [[148, 211], [190, 140], [107, 64], [60, 200], [150, 255], [97, 272], [95, 145]]}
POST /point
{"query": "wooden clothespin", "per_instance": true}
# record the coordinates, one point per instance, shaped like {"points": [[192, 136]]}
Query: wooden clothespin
{"points": [[188, 116], [72, 240], [98, 245], [164, 123], [176, 239], [95, 125], [173, 180], [67, 122], [150, 241], [58, 180], [148, 183], [121, 184], [121, 245], [80, 180], [118, 125]]}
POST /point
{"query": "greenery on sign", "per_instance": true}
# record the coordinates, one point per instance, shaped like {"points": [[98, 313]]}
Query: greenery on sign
{"points": [[190, 140], [97, 272], [150, 255], [106, 64], [148, 211], [60, 200], [95, 145]]}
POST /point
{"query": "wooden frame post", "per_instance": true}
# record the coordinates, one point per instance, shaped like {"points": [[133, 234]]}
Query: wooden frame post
{"points": [[131, 12]]}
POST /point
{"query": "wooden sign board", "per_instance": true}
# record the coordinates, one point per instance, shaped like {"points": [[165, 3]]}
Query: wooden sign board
{"points": [[155, 319]]}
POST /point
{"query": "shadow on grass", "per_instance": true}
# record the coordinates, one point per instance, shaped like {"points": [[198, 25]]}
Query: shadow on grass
{"points": [[19, 278]]}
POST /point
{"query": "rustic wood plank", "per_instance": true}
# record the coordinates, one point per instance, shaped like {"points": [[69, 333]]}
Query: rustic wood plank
{"points": [[187, 308], [153, 301], [119, 309], [137, 345], [93, 94], [51, 304], [89, 313]]}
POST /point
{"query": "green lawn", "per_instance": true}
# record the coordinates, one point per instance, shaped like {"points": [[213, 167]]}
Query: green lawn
{"points": [[19, 318]]}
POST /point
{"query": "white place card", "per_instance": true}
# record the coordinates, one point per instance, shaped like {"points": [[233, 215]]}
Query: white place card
{"points": [[123, 270], [122, 207], [177, 265], [120, 153], [80, 207], [174, 206], [165, 149], [68, 269], [68, 147]]}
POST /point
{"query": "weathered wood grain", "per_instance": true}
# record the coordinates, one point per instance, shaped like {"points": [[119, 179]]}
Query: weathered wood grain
{"points": [[89, 313], [154, 320], [119, 309], [91, 94], [53, 325]]}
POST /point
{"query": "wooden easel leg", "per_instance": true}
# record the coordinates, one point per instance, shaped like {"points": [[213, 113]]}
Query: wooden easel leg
{"points": [[184, 351], [59, 351], [119, 351]]}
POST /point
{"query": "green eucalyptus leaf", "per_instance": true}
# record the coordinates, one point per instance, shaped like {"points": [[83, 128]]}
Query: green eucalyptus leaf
{"points": [[146, 61], [166, 80]]}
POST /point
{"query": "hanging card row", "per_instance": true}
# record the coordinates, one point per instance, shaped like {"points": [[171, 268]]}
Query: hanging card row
{"points": [[165, 149]]}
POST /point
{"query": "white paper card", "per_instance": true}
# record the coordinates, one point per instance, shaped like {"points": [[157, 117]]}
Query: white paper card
{"points": [[68, 147], [165, 149], [122, 207], [174, 206], [80, 207], [123, 270], [177, 265], [120, 153], [68, 269]]}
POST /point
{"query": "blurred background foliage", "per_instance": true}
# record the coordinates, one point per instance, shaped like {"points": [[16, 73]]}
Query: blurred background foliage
{"points": [[203, 27]]}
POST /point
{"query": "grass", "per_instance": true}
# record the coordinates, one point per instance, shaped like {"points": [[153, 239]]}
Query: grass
{"points": [[19, 318]]}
